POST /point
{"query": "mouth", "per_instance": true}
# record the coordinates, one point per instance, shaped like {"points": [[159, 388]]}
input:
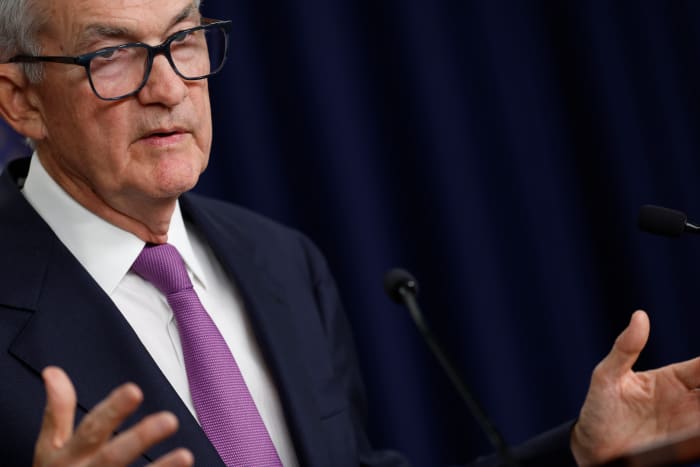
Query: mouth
{"points": [[164, 132], [164, 136]]}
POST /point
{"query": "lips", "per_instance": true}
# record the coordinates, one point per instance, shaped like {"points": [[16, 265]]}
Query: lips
{"points": [[164, 132], [163, 137]]}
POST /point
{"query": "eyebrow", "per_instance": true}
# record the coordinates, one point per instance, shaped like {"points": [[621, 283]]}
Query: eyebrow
{"points": [[95, 31]]}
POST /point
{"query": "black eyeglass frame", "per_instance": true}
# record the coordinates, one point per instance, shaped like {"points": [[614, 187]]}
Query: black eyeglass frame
{"points": [[153, 51]]}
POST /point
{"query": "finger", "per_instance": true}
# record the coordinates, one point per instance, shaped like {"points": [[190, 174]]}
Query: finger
{"points": [[100, 423], [627, 347], [688, 372], [178, 458], [59, 414], [129, 445]]}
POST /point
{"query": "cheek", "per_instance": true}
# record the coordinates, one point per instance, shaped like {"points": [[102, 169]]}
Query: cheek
{"points": [[102, 141], [78, 124], [201, 107], [205, 139]]}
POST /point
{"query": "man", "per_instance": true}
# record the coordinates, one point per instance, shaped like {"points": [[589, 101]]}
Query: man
{"points": [[119, 115]]}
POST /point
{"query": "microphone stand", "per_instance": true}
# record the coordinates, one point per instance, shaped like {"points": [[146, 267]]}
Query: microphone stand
{"points": [[496, 439]]}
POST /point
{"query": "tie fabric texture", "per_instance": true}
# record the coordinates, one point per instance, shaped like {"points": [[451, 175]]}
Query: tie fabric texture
{"points": [[224, 406]]}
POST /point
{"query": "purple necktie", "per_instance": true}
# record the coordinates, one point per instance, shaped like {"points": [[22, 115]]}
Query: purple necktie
{"points": [[221, 398]]}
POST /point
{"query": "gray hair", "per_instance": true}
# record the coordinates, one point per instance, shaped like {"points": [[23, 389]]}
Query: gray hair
{"points": [[20, 22]]}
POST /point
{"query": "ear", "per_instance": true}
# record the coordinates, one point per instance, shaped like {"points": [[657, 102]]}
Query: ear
{"points": [[18, 103]]}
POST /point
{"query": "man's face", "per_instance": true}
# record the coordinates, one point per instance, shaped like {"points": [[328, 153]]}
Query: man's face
{"points": [[148, 147]]}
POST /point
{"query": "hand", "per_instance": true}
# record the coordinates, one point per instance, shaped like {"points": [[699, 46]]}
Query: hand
{"points": [[92, 443], [626, 409]]}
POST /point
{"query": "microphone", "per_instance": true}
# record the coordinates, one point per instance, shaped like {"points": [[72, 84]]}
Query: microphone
{"points": [[664, 221], [402, 288]]}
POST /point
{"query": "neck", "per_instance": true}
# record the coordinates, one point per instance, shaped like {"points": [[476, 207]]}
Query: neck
{"points": [[148, 219]]}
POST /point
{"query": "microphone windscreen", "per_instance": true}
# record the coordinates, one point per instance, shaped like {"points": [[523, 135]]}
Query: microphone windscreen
{"points": [[397, 278], [662, 221]]}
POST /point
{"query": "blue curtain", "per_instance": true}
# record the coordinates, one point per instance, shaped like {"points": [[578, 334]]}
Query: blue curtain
{"points": [[499, 150]]}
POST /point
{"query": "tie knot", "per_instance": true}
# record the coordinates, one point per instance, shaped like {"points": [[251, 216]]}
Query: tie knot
{"points": [[162, 266]]}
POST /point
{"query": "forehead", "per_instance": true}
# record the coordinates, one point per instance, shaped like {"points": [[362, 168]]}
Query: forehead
{"points": [[69, 19]]}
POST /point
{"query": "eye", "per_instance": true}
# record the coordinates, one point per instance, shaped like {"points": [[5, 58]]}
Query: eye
{"points": [[106, 54], [180, 36]]}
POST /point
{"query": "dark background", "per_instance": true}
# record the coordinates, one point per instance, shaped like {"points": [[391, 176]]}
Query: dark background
{"points": [[500, 150]]}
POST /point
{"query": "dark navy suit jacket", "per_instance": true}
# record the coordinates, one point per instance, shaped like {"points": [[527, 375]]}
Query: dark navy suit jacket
{"points": [[53, 313]]}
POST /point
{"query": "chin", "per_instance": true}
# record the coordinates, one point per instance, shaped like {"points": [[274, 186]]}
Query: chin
{"points": [[175, 177], [175, 188]]}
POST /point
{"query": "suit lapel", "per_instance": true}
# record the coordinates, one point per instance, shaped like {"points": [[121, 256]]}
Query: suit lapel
{"points": [[273, 323]]}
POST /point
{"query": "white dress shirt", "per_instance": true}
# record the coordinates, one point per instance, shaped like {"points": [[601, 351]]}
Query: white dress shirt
{"points": [[107, 253]]}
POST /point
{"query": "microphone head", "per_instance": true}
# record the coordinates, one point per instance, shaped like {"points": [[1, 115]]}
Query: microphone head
{"points": [[662, 221], [395, 280]]}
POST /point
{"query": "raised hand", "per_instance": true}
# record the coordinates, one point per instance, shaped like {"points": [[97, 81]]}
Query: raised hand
{"points": [[92, 443], [626, 409]]}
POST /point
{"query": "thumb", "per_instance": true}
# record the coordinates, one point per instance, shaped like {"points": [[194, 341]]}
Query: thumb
{"points": [[59, 414], [627, 347]]}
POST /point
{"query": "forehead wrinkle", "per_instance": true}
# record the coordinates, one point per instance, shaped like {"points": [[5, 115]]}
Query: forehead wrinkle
{"points": [[95, 31]]}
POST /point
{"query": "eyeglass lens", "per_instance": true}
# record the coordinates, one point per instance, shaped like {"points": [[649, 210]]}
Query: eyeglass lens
{"points": [[195, 54]]}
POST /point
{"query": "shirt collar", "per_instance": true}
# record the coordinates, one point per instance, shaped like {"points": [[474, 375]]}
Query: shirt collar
{"points": [[103, 249]]}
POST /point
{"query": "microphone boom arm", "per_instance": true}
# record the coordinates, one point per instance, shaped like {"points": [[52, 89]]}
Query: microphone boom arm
{"points": [[407, 294]]}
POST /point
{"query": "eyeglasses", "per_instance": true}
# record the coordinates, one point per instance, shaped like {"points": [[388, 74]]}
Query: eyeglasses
{"points": [[122, 71]]}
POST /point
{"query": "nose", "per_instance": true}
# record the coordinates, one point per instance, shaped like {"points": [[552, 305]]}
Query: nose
{"points": [[164, 86]]}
